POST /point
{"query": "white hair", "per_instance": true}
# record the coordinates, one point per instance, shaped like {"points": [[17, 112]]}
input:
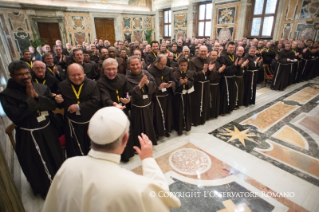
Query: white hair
{"points": [[109, 61]]}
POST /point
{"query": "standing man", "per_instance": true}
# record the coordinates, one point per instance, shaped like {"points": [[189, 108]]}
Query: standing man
{"points": [[239, 81], [121, 63], [200, 97], [114, 92], [227, 81], [214, 80], [141, 88], [89, 69], [59, 58], [40, 76], [81, 99], [68, 50], [37, 145], [27, 58], [150, 57], [53, 69], [165, 84], [251, 64], [182, 99]]}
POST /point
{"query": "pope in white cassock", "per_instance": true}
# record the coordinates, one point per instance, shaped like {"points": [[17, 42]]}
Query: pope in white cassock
{"points": [[97, 182]]}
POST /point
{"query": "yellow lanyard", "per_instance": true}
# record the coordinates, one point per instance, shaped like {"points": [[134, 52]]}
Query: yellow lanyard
{"points": [[51, 69], [278, 50], [69, 51], [77, 94], [154, 55], [127, 48], [294, 51], [309, 48], [30, 64], [117, 95], [231, 57], [267, 49], [162, 78], [142, 90], [183, 84], [36, 80], [175, 54]]}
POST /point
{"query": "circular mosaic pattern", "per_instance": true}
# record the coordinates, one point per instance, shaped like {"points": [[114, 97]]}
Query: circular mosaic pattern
{"points": [[190, 161]]}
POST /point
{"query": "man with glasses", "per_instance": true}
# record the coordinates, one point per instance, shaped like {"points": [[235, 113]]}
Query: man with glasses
{"points": [[27, 103], [53, 69]]}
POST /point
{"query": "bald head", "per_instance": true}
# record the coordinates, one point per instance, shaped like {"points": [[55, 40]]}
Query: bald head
{"points": [[76, 73], [240, 51], [203, 52]]}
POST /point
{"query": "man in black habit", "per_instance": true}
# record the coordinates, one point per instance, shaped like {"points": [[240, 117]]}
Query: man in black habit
{"points": [[285, 59], [227, 81], [182, 99], [27, 58], [165, 84], [251, 64], [214, 79], [239, 81], [89, 69], [201, 95], [114, 92], [141, 88], [51, 68], [80, 99], [150, 57], [39, 75], [37, 146]]}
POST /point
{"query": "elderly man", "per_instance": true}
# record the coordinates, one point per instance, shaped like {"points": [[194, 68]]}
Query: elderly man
{"points": [[94, 53], [39, 75], [37, 145], [98, 182], [141, 88], [53, 69], [201, 66], [80, 99], [165, 82], [114, 92]]}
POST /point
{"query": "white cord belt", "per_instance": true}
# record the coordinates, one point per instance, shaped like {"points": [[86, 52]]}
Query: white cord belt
{"points": [[160, 106], [142, 106], [73, 132], [38, 148]]}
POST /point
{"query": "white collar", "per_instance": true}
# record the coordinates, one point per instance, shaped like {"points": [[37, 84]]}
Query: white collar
{"points": [[115, 158]]}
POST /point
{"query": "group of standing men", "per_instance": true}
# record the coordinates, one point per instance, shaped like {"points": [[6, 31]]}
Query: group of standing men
{"points": [[160, 87]]}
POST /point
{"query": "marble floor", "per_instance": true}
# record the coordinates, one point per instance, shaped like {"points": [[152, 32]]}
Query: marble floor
{"points": [[264, 157]]}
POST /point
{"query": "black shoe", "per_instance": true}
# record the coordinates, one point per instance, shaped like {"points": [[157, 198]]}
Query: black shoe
{"points": [[167, 135]]}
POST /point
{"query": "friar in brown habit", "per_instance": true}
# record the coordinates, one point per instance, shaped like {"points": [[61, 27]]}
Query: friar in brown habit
{"points": [[201, 95], [165, 82]]}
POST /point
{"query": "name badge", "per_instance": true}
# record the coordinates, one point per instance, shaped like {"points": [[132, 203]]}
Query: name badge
{"points": [[44, 113], [145, 96], [164, 89], [78, 113], [191, 90], [184, 92], [41, 118]]}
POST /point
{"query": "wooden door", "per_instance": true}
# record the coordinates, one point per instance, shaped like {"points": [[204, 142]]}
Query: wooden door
{"points": [[50, 32], [105, 29]]}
